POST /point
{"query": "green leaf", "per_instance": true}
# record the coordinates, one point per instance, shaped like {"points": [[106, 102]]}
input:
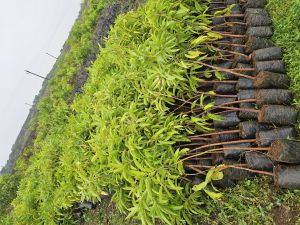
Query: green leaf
{"points": [[217, 175], [211, 92], [199, 40], [184, 64], [182, 10], [208, 106], [193, 54], [133, 212], [104, 193], [219, 75], [214, 35], [194, 104], [200, 186], [207, 74], [213, 195], [198, 6], [209, 175]]}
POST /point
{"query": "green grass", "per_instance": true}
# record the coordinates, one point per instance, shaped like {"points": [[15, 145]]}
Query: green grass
{"points": [[286, 22]]}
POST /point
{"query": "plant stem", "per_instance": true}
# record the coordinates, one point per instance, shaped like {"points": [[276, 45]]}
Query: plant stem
{"points": [[216, 133], [204, 158], [223, 107], [227, 44], [238, 109], [224, 143], [219, 81], [251, 170], [214, 58], [222, 42], [191, 144], [217, 8], [218, 3], [218, 95], [232, 15], [236, 165], [228, 34], [232, 52], [230, 23], [239, 101], [222, 149], [197, 170], [243, 69], [217, 113], [226, 70], [202, 139]]}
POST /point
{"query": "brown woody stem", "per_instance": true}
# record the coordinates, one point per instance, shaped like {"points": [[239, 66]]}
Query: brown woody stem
{"points": [[217, 8], [222, 168], [227, 44], [225, 143], [232, 52], [238, 101], [216, 133], [218, 95], [216, 150], [228, 34], [230, 23], [226, 70], [196, 169], [191, 144], [224, 107], [235, 15], [250, 170], [238, 109], [219, 81]]}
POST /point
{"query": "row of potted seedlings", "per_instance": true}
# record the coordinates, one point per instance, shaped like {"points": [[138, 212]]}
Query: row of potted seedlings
{"points": [[256, 134]]}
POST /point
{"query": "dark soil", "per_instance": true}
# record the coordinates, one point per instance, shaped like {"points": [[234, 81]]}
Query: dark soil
{"points": [[283, 215]]}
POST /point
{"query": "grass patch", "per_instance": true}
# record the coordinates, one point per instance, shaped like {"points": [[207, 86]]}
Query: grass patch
{"points": [[286, 22]]}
